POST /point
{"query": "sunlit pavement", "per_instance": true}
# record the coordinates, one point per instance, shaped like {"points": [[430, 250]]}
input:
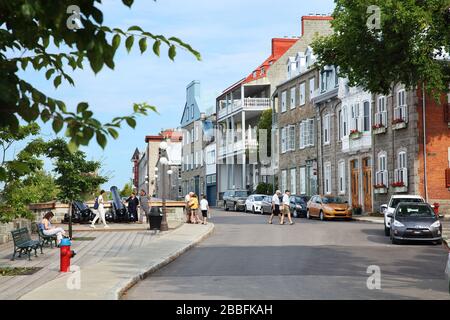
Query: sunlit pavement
{"points": [[246, 258]]}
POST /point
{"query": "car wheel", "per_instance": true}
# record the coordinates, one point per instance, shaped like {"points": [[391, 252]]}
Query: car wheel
{"points": [[307, 215], [321, 216], [235, 207], [225, 207], [387, 231], [253, 210]]}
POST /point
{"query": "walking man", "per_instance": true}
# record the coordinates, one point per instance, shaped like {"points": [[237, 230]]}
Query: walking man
{"points": [[286, 210], [275, 206], [204, 207]]}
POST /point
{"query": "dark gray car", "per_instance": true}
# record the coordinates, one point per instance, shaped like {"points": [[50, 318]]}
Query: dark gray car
{"points": [[415, 222], [235, 199]]}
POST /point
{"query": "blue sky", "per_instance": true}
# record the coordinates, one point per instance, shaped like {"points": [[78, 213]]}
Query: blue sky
{"points": [[233, 37]]}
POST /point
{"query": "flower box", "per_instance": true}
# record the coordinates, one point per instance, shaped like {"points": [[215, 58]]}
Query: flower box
{"points": [[354, 134], [400, 189], [380, 190], [378, 129], [398, 124]]}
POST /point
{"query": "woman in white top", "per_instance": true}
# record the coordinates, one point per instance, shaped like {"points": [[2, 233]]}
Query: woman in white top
{"points": [[100, 211], [50, 230]]}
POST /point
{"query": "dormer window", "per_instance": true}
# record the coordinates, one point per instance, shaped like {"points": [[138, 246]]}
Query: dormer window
{"points": [[262, 71], [255, 74]]}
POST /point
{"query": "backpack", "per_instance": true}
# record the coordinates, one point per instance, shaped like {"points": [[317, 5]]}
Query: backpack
{"points": [[96, 203]]}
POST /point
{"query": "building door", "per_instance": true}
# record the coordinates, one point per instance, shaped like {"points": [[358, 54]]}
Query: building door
{"points": [[211, 191], [367, 184], [355, 183]]}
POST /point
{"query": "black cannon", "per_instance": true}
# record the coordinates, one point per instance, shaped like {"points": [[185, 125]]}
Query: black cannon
{"points": [[119, 210], [81, 213]]}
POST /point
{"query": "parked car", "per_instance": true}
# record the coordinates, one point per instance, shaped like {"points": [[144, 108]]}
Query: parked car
{"points": [[235, 199], [415, 222], [328, 207], [390, 208], [266, 205], [253, 203], [297, 205]]}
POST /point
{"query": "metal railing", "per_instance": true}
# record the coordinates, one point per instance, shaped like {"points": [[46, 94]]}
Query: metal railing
{"points": [[381, 118], [401, 175], [401, 112]]}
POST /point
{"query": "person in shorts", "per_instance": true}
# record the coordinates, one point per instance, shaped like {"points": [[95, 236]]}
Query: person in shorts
{"points": [[285, 208], [275, 206], [204, 207], [193, 204]]}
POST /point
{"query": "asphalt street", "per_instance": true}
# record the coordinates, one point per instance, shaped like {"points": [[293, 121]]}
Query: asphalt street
{"points": [[246, 258]]}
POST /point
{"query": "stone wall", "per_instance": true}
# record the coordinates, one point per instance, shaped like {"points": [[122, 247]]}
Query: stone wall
{"points": [[6, 228]]}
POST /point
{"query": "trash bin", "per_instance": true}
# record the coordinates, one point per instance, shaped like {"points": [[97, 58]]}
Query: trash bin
{"points": [[155, 218]]}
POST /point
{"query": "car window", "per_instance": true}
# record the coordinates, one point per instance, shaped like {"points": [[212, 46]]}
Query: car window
{"points": [[241, 194], [258, 198], [396, 201], [337, 200], [414, 210]]}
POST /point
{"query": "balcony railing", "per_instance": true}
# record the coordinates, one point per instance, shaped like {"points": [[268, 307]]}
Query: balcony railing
{"points": [[381, 178], [237, 147], [401, 113], [381, 118], [401, 175], [249, 104]]}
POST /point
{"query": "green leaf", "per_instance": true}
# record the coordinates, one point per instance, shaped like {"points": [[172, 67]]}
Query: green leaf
{"points": [[2, 174], [116, 41], [45, 115], [49, 73], [57, 124], [72, 146], [128, 3], [57, 81], [135, 28], [156, 47], [24, 63], [113, 133], [143, 45], [83, 106], [131, 122], [101, 139], [129, 43], [34, 111], [172, 52]]}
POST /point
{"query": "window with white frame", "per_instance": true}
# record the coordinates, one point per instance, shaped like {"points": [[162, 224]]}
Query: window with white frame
{"points": [[312, 85], [302, 94], [341, 176], [293, 102], [327, 178], [355, 117], [381, 114], [283, 180], [192, 135], [302, 180], [283, 101], [340, 124], [192, 111], [306, 130], [197, 135], [293, 180], [401, 110], [326, 129], [344, 121], [283, 140], [291, 138], [366, 116], [401, 173], [382, 173]]}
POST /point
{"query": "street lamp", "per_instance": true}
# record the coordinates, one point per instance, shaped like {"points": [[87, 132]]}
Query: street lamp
{"points": [[164, 161]]}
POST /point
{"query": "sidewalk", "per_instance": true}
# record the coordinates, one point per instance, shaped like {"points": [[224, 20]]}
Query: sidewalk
{"points": [[112, 276]]}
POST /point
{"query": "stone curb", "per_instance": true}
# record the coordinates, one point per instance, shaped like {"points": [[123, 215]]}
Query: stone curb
{"points": [[119, 292], [360, 219]]}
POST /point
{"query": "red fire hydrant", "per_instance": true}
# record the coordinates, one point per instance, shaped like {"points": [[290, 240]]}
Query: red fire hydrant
{"points": [[436, 209], [65, 255]]}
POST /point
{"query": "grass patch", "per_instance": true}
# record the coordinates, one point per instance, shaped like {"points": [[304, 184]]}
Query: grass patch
{"points": [[16, 271], [83, 238]]}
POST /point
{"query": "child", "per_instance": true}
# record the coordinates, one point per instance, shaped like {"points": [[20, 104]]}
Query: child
{"points": [[204, 207]]}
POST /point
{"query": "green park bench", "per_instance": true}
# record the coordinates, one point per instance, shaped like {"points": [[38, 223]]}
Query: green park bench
{"points": [[45, 239], [24, 244]]}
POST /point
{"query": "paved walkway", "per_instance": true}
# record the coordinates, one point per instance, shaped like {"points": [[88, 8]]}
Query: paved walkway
{"points": [[105, 276]]}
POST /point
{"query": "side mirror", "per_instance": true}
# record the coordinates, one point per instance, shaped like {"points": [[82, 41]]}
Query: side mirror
{"points": [[383, 208]]}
